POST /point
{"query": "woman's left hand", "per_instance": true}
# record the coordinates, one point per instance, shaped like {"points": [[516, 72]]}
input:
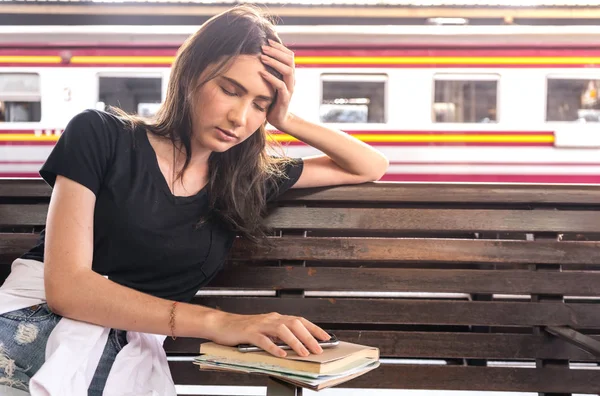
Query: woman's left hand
{"points": [[281, 59]]}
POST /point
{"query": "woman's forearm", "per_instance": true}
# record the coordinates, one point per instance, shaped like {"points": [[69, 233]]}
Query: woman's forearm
{"points": [[346, 151], [89, 297]]}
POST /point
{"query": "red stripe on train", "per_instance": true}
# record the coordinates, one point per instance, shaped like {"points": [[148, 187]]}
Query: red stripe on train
{"points": [[473, 178]]}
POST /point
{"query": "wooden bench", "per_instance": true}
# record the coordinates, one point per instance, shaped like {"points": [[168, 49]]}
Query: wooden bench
{"points": [[495, 287]]}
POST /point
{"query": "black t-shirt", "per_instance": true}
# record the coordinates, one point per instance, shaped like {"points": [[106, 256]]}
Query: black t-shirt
{"points": [[144, 237]]}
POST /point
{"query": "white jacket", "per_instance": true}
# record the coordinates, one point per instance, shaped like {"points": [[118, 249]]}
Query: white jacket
{"points": [[74, 348]]}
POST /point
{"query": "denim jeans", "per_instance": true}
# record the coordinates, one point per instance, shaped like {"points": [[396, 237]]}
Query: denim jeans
{"points": [[23, 338]]}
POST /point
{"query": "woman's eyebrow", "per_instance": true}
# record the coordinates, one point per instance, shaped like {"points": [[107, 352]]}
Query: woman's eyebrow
{"points": [[244, 90]]}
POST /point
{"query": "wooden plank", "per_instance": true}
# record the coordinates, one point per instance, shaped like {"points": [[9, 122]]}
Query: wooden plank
{"points": [[426, 312], [503, 194], [429, 377], [438, 345], [443, 220], [421, 249], [23, 215], [404, 220], [31, 188], [410, 280], [14, 245]]}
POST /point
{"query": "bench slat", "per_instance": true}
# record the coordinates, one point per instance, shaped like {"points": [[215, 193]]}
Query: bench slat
{"points": [[428, 312], [14, 245], [25, 188], [398, 344], [444, 220], [23, 215], [392, 192], [503, 194], [422, 250], [409, 280], [386, 250], [425, 377], [398, 220]]}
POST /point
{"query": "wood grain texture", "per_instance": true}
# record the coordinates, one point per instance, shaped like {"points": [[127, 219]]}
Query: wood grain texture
{"points": [[421, 250], [428, 312], [409, 280], [426, 377], [441, 345], [440, 220]]}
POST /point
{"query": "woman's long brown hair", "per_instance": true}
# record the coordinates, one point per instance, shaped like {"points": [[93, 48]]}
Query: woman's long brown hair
{"points": [[239, 177]]}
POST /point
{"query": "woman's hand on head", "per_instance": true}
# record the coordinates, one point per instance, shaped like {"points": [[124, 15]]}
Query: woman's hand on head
{"points": [[281, 59], [260, 330]]}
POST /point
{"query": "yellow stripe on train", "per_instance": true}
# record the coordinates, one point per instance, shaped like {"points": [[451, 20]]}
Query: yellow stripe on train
{"points": [[417, 138], [30, 59], [20, 137], [400, 60], [374, 138], [324, 60]]}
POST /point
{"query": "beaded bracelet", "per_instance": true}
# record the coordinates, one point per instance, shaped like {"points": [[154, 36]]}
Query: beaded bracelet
{"points": [[172, 320]]}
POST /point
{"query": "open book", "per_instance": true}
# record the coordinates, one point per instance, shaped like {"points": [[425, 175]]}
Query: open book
{"points": [[334, 366]]}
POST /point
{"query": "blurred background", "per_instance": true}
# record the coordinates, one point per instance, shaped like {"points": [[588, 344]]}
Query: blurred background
{"points": [[450, 91]]}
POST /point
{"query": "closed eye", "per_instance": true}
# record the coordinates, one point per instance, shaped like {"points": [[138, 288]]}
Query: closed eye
{"points": [[228, 93]]}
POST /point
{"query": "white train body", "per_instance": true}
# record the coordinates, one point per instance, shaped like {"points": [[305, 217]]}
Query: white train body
{"points": [[455, 104]]}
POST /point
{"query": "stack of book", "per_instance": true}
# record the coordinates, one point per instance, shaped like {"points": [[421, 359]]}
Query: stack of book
{"points": [[334, 366]]}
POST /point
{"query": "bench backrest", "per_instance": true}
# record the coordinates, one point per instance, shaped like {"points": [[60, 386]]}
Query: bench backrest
{"points": [[465, 278]]}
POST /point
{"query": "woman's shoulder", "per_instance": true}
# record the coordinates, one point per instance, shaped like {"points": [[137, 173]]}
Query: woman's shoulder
{"points": [[99, 119]]}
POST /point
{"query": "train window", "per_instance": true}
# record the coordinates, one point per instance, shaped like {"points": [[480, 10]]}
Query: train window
{"points": [[573, 99], [465, 99], [135, 95], [20, 97], [353, 98]]}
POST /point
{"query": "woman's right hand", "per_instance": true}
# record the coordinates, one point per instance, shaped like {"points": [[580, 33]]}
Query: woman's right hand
{"points": [[260, 330]]}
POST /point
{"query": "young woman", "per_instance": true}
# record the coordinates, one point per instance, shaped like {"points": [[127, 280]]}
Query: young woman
{"points": [[143, 213]]}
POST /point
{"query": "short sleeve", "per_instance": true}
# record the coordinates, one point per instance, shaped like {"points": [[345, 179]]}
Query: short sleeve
{"points": [[292, 173], [83, 151]]}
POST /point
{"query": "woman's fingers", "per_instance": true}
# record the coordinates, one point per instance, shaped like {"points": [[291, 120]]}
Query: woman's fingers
{"points": [[301, 335], [315, 330], [281, 61], [305, 337], [279, 52], [287, 336], [279, 85], [277, 65], [298, 333], [266, 344]]}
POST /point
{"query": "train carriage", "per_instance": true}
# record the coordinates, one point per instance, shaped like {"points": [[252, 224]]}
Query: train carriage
{"points": [[444, 103]]}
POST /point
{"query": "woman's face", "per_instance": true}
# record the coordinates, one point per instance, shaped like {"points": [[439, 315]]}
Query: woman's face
{"points": [[232, 106]]}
